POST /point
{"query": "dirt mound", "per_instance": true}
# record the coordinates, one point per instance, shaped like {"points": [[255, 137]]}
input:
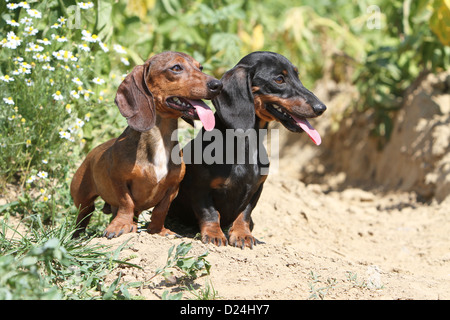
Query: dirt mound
{"points": [[341, 245], [326, 236]]}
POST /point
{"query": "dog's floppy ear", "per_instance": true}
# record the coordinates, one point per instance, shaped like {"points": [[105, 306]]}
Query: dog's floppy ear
{"points": [[135, 100], [235, 104]]}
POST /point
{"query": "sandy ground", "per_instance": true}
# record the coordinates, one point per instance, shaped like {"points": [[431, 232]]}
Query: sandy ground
{"points": [[319, 244], [330, 239]]}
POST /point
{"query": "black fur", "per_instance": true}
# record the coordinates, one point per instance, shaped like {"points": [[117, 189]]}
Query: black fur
{"points": [[222, 191]]}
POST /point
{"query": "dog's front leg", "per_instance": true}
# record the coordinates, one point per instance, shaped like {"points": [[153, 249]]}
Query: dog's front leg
{"points": [[123, 220], [159, 214], [240, 234], [209, 221]]}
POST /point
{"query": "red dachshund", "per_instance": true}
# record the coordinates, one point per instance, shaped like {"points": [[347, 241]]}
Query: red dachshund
{"points": [[135, 172]]}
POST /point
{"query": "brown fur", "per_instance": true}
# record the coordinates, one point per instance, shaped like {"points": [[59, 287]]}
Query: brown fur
{"points": [[134, 172]]}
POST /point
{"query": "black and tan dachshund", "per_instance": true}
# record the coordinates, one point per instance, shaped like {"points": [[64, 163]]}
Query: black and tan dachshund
{"points": [[262, 87]]}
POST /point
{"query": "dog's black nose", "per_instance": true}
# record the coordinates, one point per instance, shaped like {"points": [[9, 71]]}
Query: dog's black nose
{"points": [[319, 108], [215, 86]]}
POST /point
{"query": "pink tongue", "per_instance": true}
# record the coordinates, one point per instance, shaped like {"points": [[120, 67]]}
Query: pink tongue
{"points": [[308, 128], [204, 113]]}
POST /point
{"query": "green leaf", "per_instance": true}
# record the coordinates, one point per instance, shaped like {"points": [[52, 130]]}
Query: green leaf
{"points": [[182, 249], [167, 296], [28, 261], [186, 263], [110, 292]]}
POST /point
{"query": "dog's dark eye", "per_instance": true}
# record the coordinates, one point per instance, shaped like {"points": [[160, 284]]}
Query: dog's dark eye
{"points": [[201, 68], [176, 68], [279, 79]]}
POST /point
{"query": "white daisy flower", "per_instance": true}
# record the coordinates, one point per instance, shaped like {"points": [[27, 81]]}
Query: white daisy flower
{"points": [[49, 68], [6, 78], [24, 70], [84, 47], [25, 65], [65, 135], [44, 41], [30, 31], [13, 41], [89, 37], [42, 174], [9, 100], [55, 26], [86, 33], [13, 23], [31, 179], [77, 81], [79, 123], [119, 49], [125, 61], [74, 94], [34, 48], [61, 39], [12, 6], [26, 21], [64, 55], [29, 82], [42, 58], [34, 13], [87, 93], [85, 5], [62, 20], [103, 46], [57, 95], [98, 81], [24, 5]]}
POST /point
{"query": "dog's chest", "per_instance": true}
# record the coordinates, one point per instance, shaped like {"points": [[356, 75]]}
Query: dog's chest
{"points": [[160, 161], [242, 180]]}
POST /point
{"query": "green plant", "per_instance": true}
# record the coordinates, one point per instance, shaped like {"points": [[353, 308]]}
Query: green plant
{"points": [[119, 291], [412, 41], [190, 266], [352, 278], [324, 286], [47, 263], [52, 82], [206, 293]]}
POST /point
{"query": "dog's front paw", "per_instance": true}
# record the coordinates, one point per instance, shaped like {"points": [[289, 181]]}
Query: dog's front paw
{"points": [[242, 238], [212, 233], [162, 231], [119, 226]]}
